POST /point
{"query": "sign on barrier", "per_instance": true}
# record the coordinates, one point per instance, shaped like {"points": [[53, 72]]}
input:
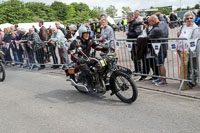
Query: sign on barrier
{"points": [[117, 44], [173, 46], [192, 44], [156, 47], [129, 46]]}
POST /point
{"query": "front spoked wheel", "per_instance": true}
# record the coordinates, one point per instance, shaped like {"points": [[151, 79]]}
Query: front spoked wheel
{"points": [[2, 72], [124, 87]]}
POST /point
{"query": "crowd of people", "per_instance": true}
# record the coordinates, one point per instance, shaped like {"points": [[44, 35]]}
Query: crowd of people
{"points": [[145, 58], [37, 46]]}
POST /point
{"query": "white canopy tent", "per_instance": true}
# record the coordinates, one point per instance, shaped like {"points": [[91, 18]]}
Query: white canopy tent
{"points": [[36, 25], [110, 20], [6, 25]]}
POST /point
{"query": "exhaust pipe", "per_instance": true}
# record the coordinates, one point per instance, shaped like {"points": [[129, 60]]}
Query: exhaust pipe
{"points": [[80, 87]]}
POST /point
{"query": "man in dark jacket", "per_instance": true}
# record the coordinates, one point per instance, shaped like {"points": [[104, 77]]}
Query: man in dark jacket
{"points": [[85, 43], [134, 30], [44, 37], [173, 18], [160, 30]]}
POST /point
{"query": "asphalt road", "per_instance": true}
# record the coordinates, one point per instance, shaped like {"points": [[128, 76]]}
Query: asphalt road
{"points": [[42, 102]]}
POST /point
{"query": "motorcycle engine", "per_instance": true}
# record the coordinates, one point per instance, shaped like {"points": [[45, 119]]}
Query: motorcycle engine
{"points": [[100, 68]]}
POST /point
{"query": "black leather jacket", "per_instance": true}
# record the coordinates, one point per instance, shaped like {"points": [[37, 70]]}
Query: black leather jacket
{"points": [[86, 48], [134, 30]]}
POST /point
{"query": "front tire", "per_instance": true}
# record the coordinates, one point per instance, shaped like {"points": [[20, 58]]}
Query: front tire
{"points": [[123, 87], [2, 72]]}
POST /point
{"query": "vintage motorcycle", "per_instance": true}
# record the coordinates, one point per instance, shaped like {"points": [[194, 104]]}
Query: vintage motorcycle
{"points": [[106, 75], [2, 69]]}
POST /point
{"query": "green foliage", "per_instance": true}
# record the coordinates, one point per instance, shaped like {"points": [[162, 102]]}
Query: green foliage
{"points": [[196, 6], [96, 12], [111, 11], [125, 10], [60, 10], [164, 10], [16, 11]]}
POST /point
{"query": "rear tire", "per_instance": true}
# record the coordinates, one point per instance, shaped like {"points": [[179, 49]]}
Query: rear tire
{"points": [[2, 72], [119, 83]]}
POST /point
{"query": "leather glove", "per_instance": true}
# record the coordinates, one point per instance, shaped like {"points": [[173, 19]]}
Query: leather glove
{"points": [[82, 60]]}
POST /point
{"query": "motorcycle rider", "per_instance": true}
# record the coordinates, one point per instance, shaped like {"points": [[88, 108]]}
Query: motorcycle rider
{"points": [[84, 43]]}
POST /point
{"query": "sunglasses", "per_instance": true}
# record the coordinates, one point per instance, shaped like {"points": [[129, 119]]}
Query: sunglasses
{"points": [[188, 18]]}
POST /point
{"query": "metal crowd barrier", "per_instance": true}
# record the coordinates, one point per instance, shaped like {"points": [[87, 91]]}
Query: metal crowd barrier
{"points": [[32, 56], [147, 65], [176, 69]]}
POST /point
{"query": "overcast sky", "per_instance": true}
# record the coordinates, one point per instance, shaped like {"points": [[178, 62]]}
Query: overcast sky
{"points": [[133, 4]]}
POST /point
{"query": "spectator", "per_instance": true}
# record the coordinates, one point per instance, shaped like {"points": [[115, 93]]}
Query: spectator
{"points": [[1, 37], [12, 29], [91, 31], [97, 28], [124, 24], [91, 24], [67, 26], [73, 31], [173, 18], [197, 19], [58, 26], [34, 44], [14, 47], [19, 48], [103, 16], [43, 32], [106, 31], [146, 53], [138, 18], [57, 38], [35, 29], [6, 45], [68, 36], [23, 42], [161, 17], [16, 27], [133, 32], [44, 37], [187, 31], [159, 30]]}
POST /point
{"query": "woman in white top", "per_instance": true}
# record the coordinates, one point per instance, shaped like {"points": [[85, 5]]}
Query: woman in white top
{"points": [[186, 31]]}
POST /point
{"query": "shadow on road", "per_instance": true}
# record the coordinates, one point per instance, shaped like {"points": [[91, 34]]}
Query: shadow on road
{"points": [[73, 96]]}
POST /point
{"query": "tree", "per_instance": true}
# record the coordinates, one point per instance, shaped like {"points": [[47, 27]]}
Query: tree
{"points": [[82, 12], [40, 11], [196, 6], [60, 10], [14, 11], [111, 11], [125, 10], [98, 11], [71, 13], [164, 10]]}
